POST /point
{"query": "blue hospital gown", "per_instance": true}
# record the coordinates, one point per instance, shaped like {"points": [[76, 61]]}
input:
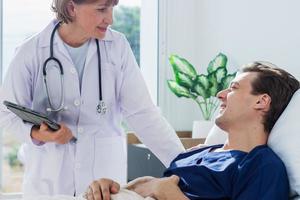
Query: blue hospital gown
{"points": [[236, 175]]}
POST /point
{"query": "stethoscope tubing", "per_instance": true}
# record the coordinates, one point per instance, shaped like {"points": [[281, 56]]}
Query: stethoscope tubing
{"points": [[101, 107]]}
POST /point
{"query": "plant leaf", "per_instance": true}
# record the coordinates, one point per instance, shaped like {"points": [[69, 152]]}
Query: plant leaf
{"points": [[220, 73], [179, 90], [183, 66], [226, 80], [203, 80], [200, 90], [219, 61], [184, 80], [214, 86]]}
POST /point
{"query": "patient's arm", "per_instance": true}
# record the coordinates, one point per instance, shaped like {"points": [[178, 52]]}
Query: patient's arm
{"points": [[160, 188], [197, 147], [137, 182]]}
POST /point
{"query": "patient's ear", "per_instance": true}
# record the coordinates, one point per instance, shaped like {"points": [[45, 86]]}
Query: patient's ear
{"points": [[263, 102]]}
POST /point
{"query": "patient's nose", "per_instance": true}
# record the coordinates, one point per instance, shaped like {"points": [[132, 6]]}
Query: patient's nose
{"points": [[222, 94]]}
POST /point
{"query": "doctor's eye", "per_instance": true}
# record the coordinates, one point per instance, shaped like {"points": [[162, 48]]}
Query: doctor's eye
{"points": [[102, 9]]}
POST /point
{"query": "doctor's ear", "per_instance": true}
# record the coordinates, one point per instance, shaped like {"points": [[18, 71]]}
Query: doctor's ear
{"points": [[263, 102], [71, 8]]}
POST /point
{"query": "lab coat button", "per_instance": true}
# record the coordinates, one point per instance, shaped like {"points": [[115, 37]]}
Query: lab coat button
{"points": [[80, 130], [73, 70], [77, 102]]}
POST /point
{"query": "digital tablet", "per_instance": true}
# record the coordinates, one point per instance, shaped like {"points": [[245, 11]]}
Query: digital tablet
{"points": [[31, 116]]}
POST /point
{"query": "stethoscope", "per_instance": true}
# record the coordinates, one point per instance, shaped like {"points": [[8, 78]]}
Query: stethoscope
{"points": [[101, 107]]}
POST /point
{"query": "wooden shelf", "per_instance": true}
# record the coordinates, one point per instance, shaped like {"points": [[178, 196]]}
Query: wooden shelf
{"points": [[185, 137]]}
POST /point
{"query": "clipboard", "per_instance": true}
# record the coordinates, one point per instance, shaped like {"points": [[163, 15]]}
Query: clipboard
{"points": [[31, 116]]}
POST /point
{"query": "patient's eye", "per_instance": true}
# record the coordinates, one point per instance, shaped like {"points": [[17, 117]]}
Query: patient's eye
{"points": [[233, 86]]}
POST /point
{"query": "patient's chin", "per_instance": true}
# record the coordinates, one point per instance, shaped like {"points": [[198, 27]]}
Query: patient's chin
{"points": [[221, 124]]}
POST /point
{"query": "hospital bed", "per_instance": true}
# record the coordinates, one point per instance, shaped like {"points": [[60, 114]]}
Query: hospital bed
{"points": [[141, 162]]}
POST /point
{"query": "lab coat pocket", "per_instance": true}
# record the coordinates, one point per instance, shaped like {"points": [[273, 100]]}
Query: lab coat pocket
{"points": [[111, 158], [42, 166], [34, 162], [32, 158]]}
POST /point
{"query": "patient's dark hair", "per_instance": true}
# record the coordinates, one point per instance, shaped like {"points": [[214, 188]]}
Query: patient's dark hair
{"points": [[277, 83]]}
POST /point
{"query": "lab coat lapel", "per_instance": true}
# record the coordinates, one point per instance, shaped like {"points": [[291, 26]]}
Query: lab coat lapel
{"points": [[91, 52], [58, 45], [62, 50]]}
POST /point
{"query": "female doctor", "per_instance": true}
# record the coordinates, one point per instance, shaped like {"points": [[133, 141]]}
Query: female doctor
{"points": [[84, 76]]}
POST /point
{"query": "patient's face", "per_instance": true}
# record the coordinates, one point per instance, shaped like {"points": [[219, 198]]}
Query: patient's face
{"points": [[237, 103]]}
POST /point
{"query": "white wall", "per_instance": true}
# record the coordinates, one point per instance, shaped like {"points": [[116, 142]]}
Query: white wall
{"points": [[244, 30]]}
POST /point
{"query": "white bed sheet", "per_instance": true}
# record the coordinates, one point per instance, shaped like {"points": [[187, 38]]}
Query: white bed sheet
{"points": [[122, 195]]}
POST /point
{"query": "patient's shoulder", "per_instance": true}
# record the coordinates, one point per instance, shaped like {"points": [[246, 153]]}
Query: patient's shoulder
{"points": [[262, 155]]}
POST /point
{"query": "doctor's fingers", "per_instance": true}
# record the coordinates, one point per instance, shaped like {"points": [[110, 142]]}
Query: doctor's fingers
{"points": [[103, 188], [62, 136], [89, 194], [44, 127]]}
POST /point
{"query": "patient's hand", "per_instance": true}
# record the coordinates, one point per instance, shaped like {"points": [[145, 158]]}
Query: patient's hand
{"points": [[137, 182], [161, 189], [196, 147], [101, 189]]}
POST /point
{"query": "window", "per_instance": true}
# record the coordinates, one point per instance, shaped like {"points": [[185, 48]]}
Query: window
{"points": [[127, 21], [19, 22]]}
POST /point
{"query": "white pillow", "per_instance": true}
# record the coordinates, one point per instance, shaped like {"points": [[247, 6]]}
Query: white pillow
{"points": [[215, 136], [284, 139]]}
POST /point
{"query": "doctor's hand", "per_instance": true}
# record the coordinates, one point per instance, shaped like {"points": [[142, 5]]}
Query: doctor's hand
{"points": [[101, 189], [45, 134]]}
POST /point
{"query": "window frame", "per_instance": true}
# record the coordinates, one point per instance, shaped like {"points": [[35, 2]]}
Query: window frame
{"points": [[1, 69], [149, 44]]}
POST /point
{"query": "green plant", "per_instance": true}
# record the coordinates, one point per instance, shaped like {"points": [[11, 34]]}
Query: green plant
{"points": [[12, 157], [200, 87], [127, 21]]}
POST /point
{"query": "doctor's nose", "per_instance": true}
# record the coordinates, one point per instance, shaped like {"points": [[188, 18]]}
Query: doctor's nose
{"points": [[108, 19]]}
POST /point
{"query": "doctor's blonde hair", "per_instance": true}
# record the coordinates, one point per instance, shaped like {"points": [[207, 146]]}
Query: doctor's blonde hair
{"points": [[60, 7]]}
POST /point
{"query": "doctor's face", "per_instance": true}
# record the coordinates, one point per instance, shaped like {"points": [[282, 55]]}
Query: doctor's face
{"points": [[237, 102], [93, 18]]}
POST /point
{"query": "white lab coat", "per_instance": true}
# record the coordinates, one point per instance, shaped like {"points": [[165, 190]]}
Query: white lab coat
{"points": [[100, 150]]}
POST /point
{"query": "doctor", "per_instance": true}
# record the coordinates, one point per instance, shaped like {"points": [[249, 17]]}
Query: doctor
{"points": [[83, 75]]}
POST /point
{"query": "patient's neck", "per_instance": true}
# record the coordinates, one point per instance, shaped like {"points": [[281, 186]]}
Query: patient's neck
{"points": [[246, 139]]}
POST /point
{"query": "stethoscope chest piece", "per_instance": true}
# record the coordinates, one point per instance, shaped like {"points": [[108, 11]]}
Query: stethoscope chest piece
{"points": [[101, 108]]}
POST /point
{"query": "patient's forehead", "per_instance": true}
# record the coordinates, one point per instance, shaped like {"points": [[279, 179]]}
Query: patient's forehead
{"points": [[245, 79]]}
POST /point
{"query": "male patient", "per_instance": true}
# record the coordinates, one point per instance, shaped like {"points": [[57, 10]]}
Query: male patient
{"points": [[244, 167]]}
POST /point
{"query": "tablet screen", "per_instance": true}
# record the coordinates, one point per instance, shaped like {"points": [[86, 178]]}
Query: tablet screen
{"points": [[30, 116]]}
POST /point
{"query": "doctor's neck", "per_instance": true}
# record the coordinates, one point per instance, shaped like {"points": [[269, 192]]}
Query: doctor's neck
{"points": [[72, 35]]}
